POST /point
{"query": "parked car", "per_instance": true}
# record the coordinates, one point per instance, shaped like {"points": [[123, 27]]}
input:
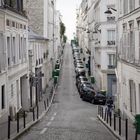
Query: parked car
{"points": [[80, 79], [93, 96], [79, 66], [80, 72], [84, 85], [99, 98]]}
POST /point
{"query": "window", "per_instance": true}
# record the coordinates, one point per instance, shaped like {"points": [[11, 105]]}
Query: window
{"points": [[9, 50], [7, 22], [13, 50], [13, 24], [12, 90], [2, 96], [24, 48], [111, 59], [132, 89], [125, 6], [131, 5], [111, 37], [138, 22], [2, 53], [132, 40]]}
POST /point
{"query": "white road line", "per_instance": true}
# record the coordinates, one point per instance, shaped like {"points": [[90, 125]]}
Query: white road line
{"points": [[43, 131], [55, 114], [48, 124], [52, 118]]}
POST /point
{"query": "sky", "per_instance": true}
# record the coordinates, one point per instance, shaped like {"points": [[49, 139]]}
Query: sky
{"points": [[67, 9]]}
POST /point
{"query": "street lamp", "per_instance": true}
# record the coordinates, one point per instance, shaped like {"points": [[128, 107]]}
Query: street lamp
{"points": [[109, 10]]}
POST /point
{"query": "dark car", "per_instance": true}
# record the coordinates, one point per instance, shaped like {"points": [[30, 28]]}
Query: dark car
{"points": [[80, 72], [99, 99], [88, 94], [81, 79], [84, 85], [93, 97]]}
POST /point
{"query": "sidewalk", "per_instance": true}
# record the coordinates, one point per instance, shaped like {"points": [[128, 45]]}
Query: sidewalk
{"points": [[123, 129]]}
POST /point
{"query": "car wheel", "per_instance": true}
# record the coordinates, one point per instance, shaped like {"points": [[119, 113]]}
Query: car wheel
{"points": [[93, 101]]}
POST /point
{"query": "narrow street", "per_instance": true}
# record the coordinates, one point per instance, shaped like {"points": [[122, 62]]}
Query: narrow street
{"points": [[69, 118]]}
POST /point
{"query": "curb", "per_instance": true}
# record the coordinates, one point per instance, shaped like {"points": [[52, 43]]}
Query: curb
{"points": [[110, 129], [28, 126]]}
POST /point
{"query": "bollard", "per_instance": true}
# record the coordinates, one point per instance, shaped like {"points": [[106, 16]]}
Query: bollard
{"points": [[105, 114], [47, 102], [126, 129], [45, 105], [33, 114], [37, 111], [24, 119], [114, 122], [9, 119], [102, 112], [107, 117], [110, 116], [17, 122], [120, 126]]}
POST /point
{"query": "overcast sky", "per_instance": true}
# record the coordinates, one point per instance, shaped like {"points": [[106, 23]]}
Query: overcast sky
{"points": [[67, 9]]}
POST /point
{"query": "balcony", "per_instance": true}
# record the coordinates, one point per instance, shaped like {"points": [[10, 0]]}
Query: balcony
{"points": [[111, 42], [13, 5], [111, 19], [111, 66]]}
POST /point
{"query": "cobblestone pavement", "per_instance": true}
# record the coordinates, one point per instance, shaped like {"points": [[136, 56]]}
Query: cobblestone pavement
{"points": [[69, 118]]}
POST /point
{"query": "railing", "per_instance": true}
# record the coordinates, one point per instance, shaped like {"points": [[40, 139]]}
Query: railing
{"points": [[111, 42], [122, 127], [111, 66], [109, 19]]}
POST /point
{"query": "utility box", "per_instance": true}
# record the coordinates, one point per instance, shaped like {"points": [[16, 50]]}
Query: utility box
{"points": [[137, 123], [57, 72], [55, 79], [92, 79]]}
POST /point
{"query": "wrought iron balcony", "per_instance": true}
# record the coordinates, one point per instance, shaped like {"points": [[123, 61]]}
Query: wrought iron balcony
{"points": [[13, 5], [110, 19], [111, 66], [111, 42]]}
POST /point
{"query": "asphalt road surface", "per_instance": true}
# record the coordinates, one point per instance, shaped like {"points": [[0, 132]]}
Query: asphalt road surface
{"points": [[69, 118]]}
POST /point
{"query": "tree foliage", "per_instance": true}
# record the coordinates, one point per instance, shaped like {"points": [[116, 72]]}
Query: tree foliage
{"points": [[62, 29], [65, 39]]}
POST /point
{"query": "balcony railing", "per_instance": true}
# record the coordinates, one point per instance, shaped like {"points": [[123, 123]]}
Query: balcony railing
{"points": [[111, 66], [109, 19], [111, 42]]}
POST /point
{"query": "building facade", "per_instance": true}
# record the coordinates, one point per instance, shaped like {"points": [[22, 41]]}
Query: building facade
{"points": [[128, 70], [38, 64], [97, 35], [14, 88]]}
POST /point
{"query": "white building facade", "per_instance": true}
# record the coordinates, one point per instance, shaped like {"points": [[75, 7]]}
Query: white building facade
{"points": [[15, 85], [38, 64], [98, 37], [128, 70]]}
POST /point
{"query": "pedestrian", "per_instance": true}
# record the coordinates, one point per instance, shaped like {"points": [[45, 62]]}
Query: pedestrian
{"points": [[110, 105]]}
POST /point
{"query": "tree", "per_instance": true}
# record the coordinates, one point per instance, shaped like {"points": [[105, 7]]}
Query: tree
{"points": [[62, 29], [64, 38]]}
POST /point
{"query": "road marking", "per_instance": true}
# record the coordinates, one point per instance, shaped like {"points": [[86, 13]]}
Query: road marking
{"points": [[48, 124], [55, 114], [52, 118], [43, 131]]}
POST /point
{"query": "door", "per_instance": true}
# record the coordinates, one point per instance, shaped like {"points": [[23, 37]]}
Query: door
{"points": [[112, 85]]}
